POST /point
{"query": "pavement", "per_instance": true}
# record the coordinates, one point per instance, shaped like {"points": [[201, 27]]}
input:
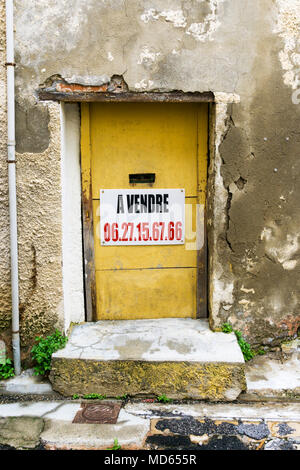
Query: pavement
{"points": [[265, 417]]}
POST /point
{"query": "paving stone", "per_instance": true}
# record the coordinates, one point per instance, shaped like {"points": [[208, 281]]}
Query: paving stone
{"points": [[280, 444], [21, 432], [286, 429], [39, 425], [219, 411], [271, 378], [256, 431], [26, 383], [130, 431]]}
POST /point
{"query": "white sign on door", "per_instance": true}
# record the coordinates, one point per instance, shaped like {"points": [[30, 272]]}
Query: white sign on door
{"points": [[142, 216]]}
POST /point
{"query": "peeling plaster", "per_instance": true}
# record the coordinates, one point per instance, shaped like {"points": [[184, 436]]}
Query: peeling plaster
{"points": [[222, 282], [288, 27], [147, 57], [143, 84], [226, 98], [200, 31], [88, 80], [205, 30], [176, 17], [247, 291], [290, 264], [279, 250]]}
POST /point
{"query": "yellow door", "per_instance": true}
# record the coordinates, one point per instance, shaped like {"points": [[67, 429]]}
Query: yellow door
{"points": [[170, 141]]}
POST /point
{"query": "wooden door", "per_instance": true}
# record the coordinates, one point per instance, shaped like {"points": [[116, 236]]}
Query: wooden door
{"points": [[170, 141]]}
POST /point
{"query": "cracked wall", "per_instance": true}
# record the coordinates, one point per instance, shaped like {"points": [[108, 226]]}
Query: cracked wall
{"points": [[248, 49]]}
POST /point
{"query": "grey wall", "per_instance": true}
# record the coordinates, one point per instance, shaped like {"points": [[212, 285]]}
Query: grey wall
{"points": [[246, 47]]}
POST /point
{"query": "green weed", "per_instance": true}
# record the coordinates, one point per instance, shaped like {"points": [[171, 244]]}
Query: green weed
{"points": [[116, 446], [6, 369], [43, 350], [94, 396], [248, 353], [163, 398], [122, 397]]}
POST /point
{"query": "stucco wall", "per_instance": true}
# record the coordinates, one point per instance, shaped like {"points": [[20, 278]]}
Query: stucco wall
{"points": [[4, 226], [249, 48]]}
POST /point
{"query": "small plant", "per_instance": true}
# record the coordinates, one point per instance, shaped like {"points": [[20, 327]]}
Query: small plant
{"points": [[116, 446], [94, 396], [163, 398], [122, 397], [245, 347], [248, 353], [6, 369], [227, 328], [75, 396], [43, 350], [260, 352]]}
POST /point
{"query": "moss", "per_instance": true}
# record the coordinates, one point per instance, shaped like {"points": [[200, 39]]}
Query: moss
{"points": [[177, 380]]}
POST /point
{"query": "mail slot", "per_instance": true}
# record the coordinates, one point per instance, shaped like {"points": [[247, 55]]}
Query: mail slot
{"points": [[146, 178]]}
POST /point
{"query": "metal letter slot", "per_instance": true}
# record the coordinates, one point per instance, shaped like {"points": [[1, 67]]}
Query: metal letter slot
{"points": [[137, 178]]}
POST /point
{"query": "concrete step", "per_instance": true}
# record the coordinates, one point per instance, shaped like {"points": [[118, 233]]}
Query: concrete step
{"points": [[181, 358]]}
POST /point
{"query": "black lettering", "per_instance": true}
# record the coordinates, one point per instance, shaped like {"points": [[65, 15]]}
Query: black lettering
{"points": [[166, 202], [120, 205], [143, 203], [136, 203], [151, 203], [130, 203], [159, 203]]}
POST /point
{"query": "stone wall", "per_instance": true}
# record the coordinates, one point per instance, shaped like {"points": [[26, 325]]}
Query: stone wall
{"points": [[247, 49]]}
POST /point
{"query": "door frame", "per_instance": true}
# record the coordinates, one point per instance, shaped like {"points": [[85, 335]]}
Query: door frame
{"points": [[87, 208], [220, 278]]}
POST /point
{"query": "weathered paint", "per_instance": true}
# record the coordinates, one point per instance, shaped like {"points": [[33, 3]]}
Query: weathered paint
{"points": [[171, 140], [87, 217]]}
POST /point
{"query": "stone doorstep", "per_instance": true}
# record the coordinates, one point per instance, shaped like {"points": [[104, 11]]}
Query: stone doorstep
{"points": [[181, 358]]}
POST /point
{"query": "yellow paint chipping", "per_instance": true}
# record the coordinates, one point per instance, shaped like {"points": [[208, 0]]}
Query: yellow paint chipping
{"points": [[169, 140]]}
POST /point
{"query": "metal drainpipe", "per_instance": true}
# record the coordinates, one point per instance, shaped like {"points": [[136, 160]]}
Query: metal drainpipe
{"points": [[12, 183]]}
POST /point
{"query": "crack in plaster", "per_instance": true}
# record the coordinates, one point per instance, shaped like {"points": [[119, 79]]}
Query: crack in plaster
{"points": [[221, 279]]}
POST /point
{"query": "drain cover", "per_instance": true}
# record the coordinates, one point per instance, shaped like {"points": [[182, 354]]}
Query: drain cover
{"points": [[93, 413]]}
